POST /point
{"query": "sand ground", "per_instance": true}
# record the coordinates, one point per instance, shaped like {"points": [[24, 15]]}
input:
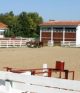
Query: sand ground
{"points": [[35, 57]]}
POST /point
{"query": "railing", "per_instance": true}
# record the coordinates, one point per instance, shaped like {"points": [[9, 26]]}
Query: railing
{"points": [[68, 43], [14, 42], [38, 84]]}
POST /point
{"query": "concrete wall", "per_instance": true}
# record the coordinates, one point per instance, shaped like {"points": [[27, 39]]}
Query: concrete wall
{"points": [[78, 36]]}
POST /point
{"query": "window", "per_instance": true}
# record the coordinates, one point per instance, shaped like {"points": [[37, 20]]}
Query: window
{"points": [[49, 28], [46, 28], [70, 29], [58, 29], [1, 33]]}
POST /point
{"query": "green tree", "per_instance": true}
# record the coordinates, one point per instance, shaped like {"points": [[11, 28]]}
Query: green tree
{"points": [[36, 21], [22, 21], [9, 33], [11, 21], [24, 24]]}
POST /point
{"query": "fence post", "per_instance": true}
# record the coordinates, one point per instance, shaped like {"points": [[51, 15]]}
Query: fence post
{"points": [[49, 72], [66, 74], [21, 42], [7, 44], [13, 43]]}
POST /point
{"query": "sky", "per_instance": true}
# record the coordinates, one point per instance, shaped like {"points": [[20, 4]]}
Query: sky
{"points": [[48, 9]]}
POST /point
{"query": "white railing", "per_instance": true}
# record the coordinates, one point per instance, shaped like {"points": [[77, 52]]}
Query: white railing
{"points": [[38, 84], [21, 42], [68, 43]]}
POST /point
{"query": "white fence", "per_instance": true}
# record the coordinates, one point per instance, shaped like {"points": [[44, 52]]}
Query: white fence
{"points": [[38, 84], [14, 42], [68, 43]]}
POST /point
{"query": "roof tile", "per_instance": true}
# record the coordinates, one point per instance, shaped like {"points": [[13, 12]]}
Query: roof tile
{"points": [[3, 26], [54, 23]]}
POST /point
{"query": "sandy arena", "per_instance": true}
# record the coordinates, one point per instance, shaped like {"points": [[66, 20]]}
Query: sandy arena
{"points": [[35, 57]]}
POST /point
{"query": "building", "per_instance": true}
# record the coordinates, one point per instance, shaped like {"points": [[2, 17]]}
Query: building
{"points": [[57, 32], [3, 27]]}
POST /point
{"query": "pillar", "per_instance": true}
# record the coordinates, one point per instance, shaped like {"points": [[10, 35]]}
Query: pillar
{"points": [[63, 35], [40, 34], [78, 36], [51, 36]]}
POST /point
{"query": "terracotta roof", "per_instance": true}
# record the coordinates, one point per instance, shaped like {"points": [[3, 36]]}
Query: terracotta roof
{"points": [[3, 26], [55, 23]]}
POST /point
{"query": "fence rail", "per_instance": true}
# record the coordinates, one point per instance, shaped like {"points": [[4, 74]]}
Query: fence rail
{"points": [[68, 43], [14, 42], [39, 84]]}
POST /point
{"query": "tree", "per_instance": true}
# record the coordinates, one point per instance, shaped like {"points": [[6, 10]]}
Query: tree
{"points": [[9, 33], [28, 23], [10, 20], [23, 25], [22, 21], [36, 20]]}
